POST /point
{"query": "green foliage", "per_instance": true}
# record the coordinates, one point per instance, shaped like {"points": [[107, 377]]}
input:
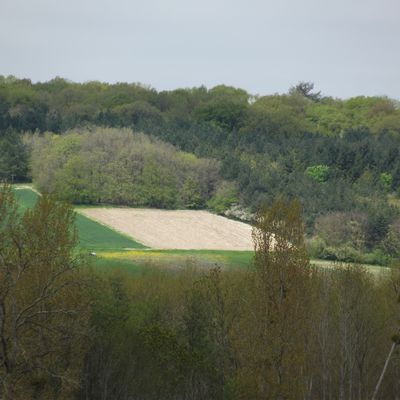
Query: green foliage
{"points": [[386, 180], [265, 146], [378, 225], [320, 173], [120, 167], [318, 249], [328, 118], [281, 292], [391, 243], [223, 113], [224, 197], [200, 333], [43, 305], [359, 237], [13, 157]]}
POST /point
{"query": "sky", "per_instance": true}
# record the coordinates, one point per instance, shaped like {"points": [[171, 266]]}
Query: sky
{"points": [[346, 47]]}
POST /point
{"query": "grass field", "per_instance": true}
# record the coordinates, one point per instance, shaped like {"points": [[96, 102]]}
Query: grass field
{"points": [[26, 198], [182, 258], [112, 248], [92, 235], [178, 259]]}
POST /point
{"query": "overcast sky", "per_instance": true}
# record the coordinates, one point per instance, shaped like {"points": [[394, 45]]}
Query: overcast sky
{"points": [[346, 47]]}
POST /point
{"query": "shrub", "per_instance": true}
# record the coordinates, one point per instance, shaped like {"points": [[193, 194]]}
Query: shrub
{"points": [[320, 173]]}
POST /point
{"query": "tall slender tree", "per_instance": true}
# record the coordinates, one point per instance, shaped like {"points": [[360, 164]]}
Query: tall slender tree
{"points": [[43, 311]]}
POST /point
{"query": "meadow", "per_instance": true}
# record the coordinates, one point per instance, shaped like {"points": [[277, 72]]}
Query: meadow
{"points": [[117, 251], [93, 236], [114, 250]]}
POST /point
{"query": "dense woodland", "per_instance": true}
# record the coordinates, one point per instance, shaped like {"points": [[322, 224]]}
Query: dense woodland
{"points": [[339, 157], [277, 330], [120, 167]]}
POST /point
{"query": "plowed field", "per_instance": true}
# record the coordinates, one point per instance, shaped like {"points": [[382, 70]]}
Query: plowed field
{"points": [[178, 229]]}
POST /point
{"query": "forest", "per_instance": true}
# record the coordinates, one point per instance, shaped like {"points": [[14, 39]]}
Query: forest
{"points": [[317, 176], [110, 166], [220, 148], [279, 329]]}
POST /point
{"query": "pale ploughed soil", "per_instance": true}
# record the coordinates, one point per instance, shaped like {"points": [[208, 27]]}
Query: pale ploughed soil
{"points": [[176, 229]]}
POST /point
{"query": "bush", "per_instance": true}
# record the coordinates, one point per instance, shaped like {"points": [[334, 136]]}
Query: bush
{"points": [[317, 248], [320, 173]]}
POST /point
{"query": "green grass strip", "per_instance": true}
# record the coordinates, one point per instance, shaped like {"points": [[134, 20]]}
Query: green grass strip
{"points": [[92, 235]]}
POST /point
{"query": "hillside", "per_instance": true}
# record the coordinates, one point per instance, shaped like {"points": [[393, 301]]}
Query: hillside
{"points": [[341, 158]]}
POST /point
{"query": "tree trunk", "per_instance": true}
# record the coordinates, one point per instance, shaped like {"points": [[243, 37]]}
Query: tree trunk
{"points": [[383, 371]]}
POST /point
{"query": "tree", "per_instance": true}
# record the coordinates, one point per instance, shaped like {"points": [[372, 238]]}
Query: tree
{"points": [[13, 157], [306, 89], [277, 326], [391, 243], [43, 312], [118, 166]]}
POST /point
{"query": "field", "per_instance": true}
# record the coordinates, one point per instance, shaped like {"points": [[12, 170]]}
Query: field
{"points": [[182, 258], [112, 252], [116, 250], [92, 235], [176, 229]]}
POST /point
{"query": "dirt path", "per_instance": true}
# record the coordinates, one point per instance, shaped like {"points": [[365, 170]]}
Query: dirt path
{"points": [[180, 229], [29, 187]]}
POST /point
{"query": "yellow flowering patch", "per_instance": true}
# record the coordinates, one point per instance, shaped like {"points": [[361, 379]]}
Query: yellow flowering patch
{"points": [[167, 258]]}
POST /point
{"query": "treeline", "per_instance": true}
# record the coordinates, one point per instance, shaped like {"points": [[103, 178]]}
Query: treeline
{"points": [[60, 105], [232, 335], [119, 167], [339, 157], [279, 330]]}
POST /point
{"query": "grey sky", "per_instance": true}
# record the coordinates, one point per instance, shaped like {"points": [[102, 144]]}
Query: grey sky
{"points": [[346, 47]]}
